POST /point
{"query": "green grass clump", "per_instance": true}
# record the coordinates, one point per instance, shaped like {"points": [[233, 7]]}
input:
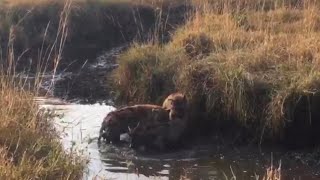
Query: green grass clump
{"points": [[158, 69], [249, 66]]}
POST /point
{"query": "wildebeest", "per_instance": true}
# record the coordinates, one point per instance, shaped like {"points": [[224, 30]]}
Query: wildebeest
{"points": [[118, 121], [150, 137], [159, 136]]}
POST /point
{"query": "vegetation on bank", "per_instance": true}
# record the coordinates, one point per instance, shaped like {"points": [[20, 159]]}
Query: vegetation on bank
{"points": [[249, 65], [29, 145]]}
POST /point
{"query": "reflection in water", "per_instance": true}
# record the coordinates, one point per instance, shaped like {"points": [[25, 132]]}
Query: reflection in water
{"points": [[80, 124]]}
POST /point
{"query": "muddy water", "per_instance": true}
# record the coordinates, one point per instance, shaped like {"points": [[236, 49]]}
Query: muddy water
{"points": [[79, 126]]}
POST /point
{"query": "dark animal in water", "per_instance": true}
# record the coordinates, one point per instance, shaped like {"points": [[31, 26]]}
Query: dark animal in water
{"points": [[159, 137], [118, 121], [166, 134]]}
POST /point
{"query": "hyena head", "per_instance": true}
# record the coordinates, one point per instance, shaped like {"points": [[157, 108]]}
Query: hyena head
{"points": [[177, 104], [159, 116], [111, 128]]}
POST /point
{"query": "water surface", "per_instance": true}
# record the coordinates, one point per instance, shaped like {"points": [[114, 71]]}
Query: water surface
{"points": [[79, 126]]}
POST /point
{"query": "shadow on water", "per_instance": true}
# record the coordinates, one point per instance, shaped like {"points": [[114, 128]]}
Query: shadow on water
{"points": [[79, 126], [88, 85], [204, 163]]}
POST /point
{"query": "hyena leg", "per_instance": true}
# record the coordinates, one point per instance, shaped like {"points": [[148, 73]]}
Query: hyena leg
{"points": [[115, 138]]}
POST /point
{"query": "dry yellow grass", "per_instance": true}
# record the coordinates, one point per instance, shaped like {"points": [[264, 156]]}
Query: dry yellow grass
{"points": [[278, 47], [154, 3], [272, 174], [29, 145]]}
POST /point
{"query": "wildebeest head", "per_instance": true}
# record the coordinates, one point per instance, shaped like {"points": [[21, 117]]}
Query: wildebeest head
{"points": [[148, 137], [137, 137]]}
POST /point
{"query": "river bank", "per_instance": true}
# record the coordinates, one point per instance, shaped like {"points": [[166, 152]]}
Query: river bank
{"points": [[245, 67]]}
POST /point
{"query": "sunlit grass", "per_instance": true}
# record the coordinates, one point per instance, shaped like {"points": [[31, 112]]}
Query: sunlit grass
{"points": [[155, 3], [29, 145]]}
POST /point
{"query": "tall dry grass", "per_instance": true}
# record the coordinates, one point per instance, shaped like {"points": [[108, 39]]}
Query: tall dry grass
{"points": [[29, 145], [250, 63]]}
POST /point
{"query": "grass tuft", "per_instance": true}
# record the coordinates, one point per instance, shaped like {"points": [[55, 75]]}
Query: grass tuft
{"points": [[29, 144]]}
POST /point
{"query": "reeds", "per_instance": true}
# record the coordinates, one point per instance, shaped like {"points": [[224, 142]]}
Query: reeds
{"points": [[29, 145]]}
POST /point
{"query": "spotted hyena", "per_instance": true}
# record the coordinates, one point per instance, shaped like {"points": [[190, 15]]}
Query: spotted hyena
{"points": [[177, 104]]}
